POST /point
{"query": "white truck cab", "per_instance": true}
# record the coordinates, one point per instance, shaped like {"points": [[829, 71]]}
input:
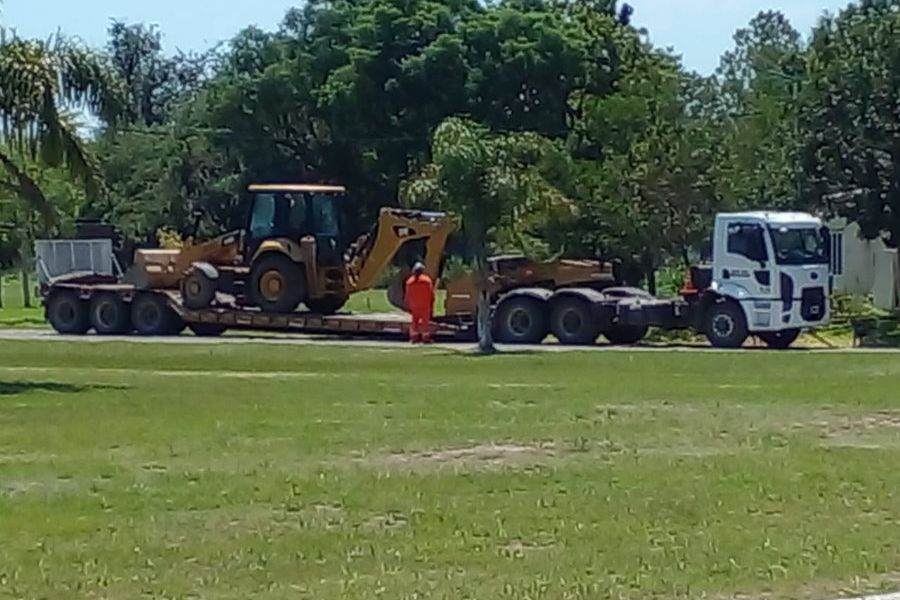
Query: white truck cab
{"points": [[774, 266]]}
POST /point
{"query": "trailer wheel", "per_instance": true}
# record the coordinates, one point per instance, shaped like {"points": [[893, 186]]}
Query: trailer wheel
{"points": [[573, 322], [326, 305], [779, 340], [726, 326], [109, 315], [67, 313], [198, 290], [207, 329], [277, 283], [151, 315], [521, 320], [625, 334]]}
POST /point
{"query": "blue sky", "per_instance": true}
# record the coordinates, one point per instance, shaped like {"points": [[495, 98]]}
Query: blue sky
{"points": [[699, 30]]}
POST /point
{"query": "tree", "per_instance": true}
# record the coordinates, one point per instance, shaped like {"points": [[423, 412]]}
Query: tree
{"points": [[851, 153], [497, 185]]}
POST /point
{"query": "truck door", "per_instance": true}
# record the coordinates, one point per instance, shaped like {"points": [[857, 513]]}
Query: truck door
{"points": [[745, 260]]}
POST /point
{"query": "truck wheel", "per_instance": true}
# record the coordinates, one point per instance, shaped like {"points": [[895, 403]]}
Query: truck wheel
{"points": [[197, 290], [110, 315], [68, 314], [779, 340], [277, 284], [573, 323], [151, 315], [521, 321], [726, 326], [625, 334], [327, 305], [207, 329]]}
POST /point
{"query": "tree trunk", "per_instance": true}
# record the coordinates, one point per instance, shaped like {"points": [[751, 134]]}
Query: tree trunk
{"points": [[651, 281], [26, 289], [483, 317], [1, 290]]}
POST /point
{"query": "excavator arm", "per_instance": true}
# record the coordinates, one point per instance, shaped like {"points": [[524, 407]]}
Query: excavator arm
{"points": [[373, 252]]}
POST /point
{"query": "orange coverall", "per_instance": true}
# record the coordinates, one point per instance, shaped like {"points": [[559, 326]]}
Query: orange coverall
{"points": [[420, 304]]}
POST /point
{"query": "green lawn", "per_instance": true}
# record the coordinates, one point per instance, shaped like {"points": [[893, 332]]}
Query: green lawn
{"points": [[251, 471]]}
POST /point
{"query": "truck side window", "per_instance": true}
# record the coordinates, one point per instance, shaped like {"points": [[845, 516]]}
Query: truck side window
{"points": [[747, 241]]}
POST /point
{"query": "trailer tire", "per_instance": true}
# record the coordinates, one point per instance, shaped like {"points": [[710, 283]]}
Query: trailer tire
{"points": [[110, 315], [151, 315], [198, 290], [277, 284], [521, 320], [326, 305], [725, 325], [779, 340], [625, 334], [207, 329], [573, 322], [67, 313]]}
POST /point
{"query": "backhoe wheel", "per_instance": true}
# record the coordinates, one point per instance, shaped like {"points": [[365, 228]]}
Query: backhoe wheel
{"points": [[625, 334], [726, 326], [573, 323], [151, 315], [207, 329], [197, 290], [779, 340], [327, 305], [110, 315], [67, 313], [521, 320], [277, 284]]}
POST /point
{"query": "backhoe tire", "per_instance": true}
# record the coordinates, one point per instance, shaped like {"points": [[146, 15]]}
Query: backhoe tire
{"points": [[779, 340], [521, 320], [197, 290], [327, 305], [625, 334], [110, 315], [277, 284], [573, 323], [151, 315], [725, 325], [207, 329], [67, 313]]}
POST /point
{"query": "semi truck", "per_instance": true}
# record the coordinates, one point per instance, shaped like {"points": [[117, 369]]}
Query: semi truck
{"points": [[768, 278]]}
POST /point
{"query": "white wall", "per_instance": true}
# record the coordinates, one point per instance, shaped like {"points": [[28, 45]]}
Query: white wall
{"points": [[866, 267]]}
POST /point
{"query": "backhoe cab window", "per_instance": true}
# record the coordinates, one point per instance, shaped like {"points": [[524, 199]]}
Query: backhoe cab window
{"points": [[748, 241], [325, 214], [262, 220]]}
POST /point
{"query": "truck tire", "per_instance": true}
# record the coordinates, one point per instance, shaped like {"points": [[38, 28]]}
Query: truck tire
{"points": [[110, 315], [725, 325], [327, 305], [625, 334], [197, 290], [151, 315], [277, 284], [573, 322], [67, 313], [779, 340], [521, 320], [207, 329]]}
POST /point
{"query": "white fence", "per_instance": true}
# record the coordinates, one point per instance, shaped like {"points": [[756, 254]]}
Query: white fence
{"points": [[54, 258]]}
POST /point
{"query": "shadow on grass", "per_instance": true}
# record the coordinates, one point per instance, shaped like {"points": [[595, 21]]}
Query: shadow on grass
{"points": [[15, 388]]}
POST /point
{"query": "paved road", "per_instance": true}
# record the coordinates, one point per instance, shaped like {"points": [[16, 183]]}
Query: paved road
{"points": [[301, 340]]}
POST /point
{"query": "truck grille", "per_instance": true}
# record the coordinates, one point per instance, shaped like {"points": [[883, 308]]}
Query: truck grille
{"points": [[812, 304]]}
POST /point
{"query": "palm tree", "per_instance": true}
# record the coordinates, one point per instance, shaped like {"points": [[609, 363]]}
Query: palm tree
{"points": [[495, 184], [41, 84]]}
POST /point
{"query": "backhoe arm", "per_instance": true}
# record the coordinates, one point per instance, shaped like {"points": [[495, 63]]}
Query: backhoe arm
{"points": [[396, 227]]}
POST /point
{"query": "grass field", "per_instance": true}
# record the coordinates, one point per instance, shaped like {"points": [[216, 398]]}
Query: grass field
{"points": [[246, 471]]}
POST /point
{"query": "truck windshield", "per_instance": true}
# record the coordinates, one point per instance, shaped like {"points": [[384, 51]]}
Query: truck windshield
{"points": [[799, 246]]}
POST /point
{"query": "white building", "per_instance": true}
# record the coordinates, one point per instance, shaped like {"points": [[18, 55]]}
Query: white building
{"points": [[864, 267]]}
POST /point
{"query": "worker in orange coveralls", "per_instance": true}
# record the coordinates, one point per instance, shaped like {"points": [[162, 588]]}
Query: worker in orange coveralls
{"points": [[420, 304]]}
